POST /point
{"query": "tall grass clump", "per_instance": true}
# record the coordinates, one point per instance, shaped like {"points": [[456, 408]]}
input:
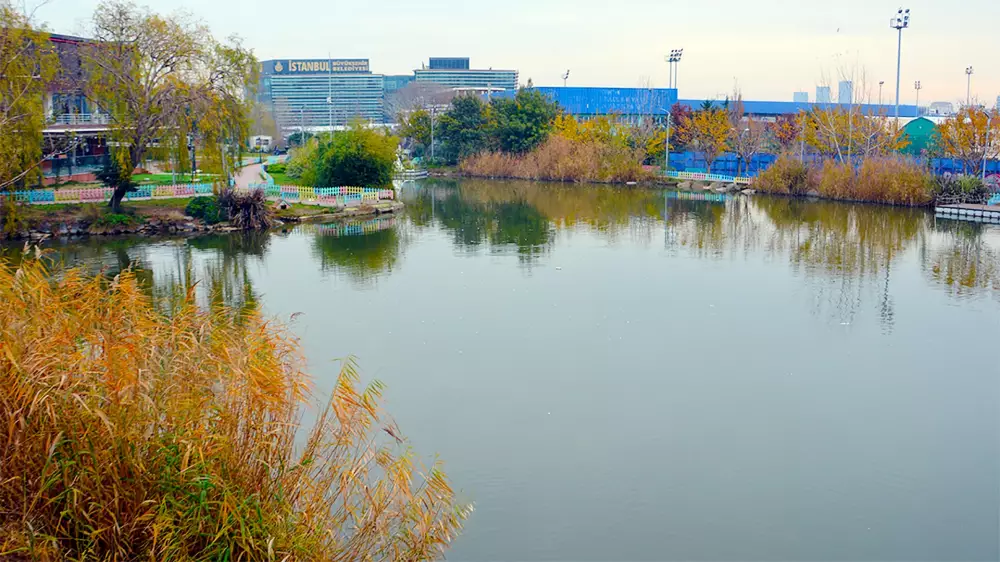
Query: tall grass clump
{"points": [[562, 159], [880, 179], [786, 176], [130, 434]]}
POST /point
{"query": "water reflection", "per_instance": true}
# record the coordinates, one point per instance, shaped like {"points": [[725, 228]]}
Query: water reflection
{"points": [[361, 250], [967, 259], [499, 216]]}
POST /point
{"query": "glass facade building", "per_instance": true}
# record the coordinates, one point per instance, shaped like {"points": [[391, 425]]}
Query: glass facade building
{"points": [[469, 79], [448, 63], [317, 93]]}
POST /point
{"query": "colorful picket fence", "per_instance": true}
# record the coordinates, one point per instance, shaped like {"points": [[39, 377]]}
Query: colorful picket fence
{"points": [[355, 228], [698, 176], [328, 196], [102, 194]]}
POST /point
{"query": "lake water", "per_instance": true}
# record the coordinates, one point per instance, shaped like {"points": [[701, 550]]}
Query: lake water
{"points": [[627, 375]]}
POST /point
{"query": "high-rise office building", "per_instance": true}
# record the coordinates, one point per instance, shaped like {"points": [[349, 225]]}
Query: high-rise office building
{"points": [[845, 92], [448, 63], [822, 94], [442, 71], [315, 93], [997, 106], [800, 97]]}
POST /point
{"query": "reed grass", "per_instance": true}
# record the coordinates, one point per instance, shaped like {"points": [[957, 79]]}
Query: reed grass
{"points": [[891, 180], [132, 434], [564, 160]]}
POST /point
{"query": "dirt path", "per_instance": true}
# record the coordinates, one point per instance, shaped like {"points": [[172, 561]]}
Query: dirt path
{"points": [[247, 175]]}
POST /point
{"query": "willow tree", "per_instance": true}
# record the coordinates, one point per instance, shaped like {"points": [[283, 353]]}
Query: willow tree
{"points": [[167, 83], [28, 64]]}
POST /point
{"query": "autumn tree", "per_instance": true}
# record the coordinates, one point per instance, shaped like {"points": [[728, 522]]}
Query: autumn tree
{"points": [[165, 80], [28, 64], [785, 131], [747, 140], [840, 133], [680, 131], [971, 136], [709, 131]]}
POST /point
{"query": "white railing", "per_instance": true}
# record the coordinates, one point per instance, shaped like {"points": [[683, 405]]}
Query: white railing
{"points": [[82, 119]]}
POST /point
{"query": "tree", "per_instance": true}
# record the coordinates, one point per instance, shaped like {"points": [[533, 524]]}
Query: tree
{"points": [[28, 64], [785, 131], [971, 136], [680, 132], [524, 122], [747, 140], [709, 130], [841, 133], [417, 126], [359, 157], [417, 95], [166, 80], [464, 128], [263, 123]]}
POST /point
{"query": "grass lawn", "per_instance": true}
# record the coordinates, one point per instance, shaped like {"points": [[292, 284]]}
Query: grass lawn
{"points": [[283, 179], [168, 179]]}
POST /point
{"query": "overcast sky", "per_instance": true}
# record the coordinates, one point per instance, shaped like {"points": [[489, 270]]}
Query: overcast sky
{"points": [[769, 47]]}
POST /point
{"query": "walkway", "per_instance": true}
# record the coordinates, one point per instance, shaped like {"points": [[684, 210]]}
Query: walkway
{"points": [[248, 175]]}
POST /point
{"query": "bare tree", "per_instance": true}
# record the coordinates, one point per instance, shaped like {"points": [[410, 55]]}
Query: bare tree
{"points": [[418, 95]]}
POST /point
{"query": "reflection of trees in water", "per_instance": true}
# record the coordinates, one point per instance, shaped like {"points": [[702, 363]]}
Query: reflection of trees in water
{"points": [[362, 257], [501, 221], [962, 257]]}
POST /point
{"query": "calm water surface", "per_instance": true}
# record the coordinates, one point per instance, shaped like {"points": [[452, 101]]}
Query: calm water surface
{"points": [[624, 375]]}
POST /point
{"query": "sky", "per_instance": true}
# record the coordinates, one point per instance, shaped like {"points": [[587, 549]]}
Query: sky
{"points": [[765, 48]]}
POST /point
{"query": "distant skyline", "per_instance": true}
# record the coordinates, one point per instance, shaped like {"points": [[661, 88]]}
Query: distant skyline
{"points": [[769, 50]]}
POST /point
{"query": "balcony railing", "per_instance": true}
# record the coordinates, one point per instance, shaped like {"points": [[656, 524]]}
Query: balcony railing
{"points": [[82, 119]]}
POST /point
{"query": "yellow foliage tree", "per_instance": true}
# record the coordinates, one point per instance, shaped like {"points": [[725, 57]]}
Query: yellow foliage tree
{"points": [[27, 66], [709, 130], [970, 136], [841, 133]]}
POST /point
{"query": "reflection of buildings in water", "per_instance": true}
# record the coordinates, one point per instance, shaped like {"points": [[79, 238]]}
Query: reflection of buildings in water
{"points": [[355, 228], [360, 250]]}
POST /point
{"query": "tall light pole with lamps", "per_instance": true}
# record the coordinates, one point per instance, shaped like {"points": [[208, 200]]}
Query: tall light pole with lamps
{"points": [[674, 58], [565, 78], [968, 86], [899, 23], [880, 84], [917, 86]]}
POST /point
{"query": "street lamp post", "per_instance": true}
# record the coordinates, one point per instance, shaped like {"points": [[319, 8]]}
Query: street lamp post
{"points": [[899, 23], [432, 134], [968, 86], [565, 78], [917, 86], [880, 84], [666, 149]]}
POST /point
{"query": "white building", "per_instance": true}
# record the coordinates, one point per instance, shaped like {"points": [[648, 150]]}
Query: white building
{"points": [[823, 94], [803, 97], [942, 108], [845, 92]]}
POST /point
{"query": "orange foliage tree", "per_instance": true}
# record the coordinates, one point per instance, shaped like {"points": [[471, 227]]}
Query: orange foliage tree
{"points": [[785, 131], [709, 132], [971, 136]]}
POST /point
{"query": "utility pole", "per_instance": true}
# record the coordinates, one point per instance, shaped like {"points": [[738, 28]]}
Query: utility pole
{"points": [[899, 23], [968, 86], [666, 151], [432, 133], [880, 84]]}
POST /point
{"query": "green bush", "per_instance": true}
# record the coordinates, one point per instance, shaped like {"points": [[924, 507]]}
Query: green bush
{"points": [[206, 209], [277, 168], [356, 157], [112, 220], [954, 188]]}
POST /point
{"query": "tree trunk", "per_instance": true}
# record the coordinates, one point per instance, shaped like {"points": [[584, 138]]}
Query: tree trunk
{"points": [[116, 198]]}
